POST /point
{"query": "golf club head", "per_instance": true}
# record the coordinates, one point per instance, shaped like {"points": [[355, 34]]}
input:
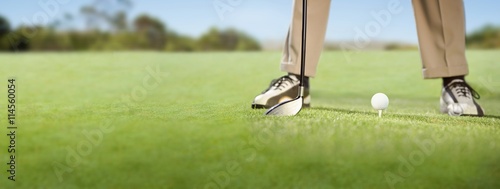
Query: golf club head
{"points": [[287, 108]]}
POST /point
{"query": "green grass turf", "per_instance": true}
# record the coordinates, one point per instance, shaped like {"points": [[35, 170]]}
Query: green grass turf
{"points": [[196, 128]]}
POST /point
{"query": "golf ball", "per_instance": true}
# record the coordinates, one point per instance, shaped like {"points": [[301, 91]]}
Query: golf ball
{"points": [[380, 101], [455, 110]]}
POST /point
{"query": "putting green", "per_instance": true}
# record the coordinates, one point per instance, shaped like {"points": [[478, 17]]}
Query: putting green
{"points": [[163, 120]]}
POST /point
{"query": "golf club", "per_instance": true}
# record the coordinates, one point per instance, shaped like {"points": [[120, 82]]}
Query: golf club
{"points": [[293, 107]]}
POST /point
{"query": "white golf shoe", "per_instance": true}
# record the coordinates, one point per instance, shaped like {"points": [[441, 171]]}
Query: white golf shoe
{"points": [[282, 89], [457, 99]]}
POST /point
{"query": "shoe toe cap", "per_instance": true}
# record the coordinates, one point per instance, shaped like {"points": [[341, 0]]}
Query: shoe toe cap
{"points": [[259, 100]]}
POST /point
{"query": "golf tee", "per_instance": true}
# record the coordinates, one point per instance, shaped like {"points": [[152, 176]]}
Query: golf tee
{"points": [[380, 113]]}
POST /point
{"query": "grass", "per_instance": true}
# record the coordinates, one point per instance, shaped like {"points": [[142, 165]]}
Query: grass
{"points": [[195, 129]]}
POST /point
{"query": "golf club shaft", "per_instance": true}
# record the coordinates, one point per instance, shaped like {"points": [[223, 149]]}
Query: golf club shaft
{"points": [[303, 56]]}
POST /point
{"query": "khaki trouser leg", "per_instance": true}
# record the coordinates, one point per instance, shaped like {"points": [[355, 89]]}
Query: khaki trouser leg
{"points": [[441, 35], [317, 18]]}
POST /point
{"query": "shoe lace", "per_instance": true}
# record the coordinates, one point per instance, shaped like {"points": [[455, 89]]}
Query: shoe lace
{"points": [[279, 83], [463, 89]]}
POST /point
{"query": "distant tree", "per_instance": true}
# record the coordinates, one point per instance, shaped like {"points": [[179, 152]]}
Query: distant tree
{"points": [[247, 43], [119, 21], [17, 39], [87, 40], [146, 33], [4, 26], [4, 31], [227, 40], [487, 37], [47, 39], [399, 46], [152, 29], [64, 23], [122, 42], [210, 40], [107, 13], [176, 42], [91, 17]]}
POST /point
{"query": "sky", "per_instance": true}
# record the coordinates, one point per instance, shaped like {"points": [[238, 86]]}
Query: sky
{"points": [[267, 20]]}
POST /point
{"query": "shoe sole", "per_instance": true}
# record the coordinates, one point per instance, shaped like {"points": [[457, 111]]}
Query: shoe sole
{"points": [[445, 110], [260, 106]]}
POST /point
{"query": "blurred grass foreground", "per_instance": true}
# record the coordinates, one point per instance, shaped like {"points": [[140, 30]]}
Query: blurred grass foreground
{"points": [[194, 128]]}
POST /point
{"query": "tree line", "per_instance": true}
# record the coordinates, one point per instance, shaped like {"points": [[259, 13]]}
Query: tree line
{"points": [[146, 33], [149, 33], [487, 37]]}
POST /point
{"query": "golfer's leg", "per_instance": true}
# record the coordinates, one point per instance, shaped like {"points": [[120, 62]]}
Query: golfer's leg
{"points": [[317, 18], [441, 35]]}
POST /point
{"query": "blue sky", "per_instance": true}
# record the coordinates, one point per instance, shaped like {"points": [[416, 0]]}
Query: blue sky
{"points": [[264, 19]]}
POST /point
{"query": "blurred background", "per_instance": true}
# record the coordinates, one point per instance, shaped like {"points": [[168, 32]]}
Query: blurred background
{"points": [[211, 25]]}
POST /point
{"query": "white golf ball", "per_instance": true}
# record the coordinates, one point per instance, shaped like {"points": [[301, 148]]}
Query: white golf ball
{"points": [[455, 110], [380, 101]]}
